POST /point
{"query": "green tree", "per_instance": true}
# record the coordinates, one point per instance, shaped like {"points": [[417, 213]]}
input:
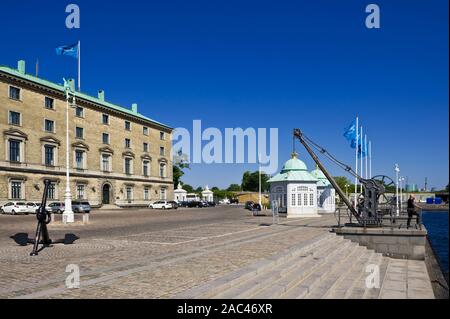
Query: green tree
{"points": [[198, 190], [234, 188], [180, 162], [250, 181], [342, 181], [215, 188], [188, 188]]}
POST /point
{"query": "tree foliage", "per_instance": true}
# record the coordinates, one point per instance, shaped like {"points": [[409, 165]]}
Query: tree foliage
{"points": [[250, 182]]}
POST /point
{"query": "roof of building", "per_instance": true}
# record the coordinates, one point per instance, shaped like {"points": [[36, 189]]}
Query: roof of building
{"points": [[322, 180], [96, 100], [293, 170]]}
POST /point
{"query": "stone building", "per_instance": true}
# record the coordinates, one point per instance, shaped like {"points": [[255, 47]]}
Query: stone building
{"points": [[179, 194], [207, 194], [117, 155], [295, 190]]}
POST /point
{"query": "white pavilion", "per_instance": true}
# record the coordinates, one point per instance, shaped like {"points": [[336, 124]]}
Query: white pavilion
{"points": [[326, 194], [295, 190], [207, 194], [179, 194]]}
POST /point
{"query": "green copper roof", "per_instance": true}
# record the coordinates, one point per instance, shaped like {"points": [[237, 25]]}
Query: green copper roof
{"points": [[322, 179], [293, 170], [60, 87]]}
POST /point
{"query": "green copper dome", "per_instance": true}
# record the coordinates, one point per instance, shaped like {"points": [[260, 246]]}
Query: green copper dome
{"points": [[294, 164], [322, 179]]}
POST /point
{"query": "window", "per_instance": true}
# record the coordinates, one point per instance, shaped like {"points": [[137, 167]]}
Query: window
{"points": [[145, 168], [162, 136], [127, 143], [163, 194], [145, 130], [79, 111], [14, 118], [81, 188], [127, 125], [293, 200], [129, 192], [16, 190], [105, 162], [49, 126], [105, 138], [79, 159], [49, 103], [49, 155], [162, 170], [105, 119], [14, 93], [14, 150], [52, 191], [145, 146], [146, 193], [79, 132], [127, 165], [299, 199], [305, 199], [161, 151], [311, 199]]}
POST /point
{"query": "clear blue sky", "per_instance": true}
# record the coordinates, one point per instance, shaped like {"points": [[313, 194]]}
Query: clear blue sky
{"points": [[307, 64]]}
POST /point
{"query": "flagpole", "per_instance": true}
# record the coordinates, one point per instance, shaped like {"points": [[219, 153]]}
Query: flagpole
{"points": [[356, 157], [365, 151], [79, 66], [370, 159], [362, 143]]}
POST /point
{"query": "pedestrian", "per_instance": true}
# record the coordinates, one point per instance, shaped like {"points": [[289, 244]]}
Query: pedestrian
{"points": [[412, 211]]}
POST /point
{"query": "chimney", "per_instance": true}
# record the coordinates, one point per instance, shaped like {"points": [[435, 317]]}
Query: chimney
{"points": [[21, 66], [134, 108], [72, 84], [101, 95]]}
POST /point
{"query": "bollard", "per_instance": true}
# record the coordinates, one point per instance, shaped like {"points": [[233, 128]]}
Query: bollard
{"points": [[52, 218], [64, 219], [85, 218]]}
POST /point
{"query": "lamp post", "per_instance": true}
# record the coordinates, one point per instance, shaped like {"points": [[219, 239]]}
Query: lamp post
{"points": [[68, 216], [397, 171], [401, 192], [259, 190]]}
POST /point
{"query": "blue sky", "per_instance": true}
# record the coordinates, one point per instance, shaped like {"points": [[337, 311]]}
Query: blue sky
{"points": [[284, 64]]}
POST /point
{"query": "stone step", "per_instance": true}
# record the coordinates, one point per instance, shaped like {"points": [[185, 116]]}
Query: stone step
{"points": [[288, 270], [344, 283], [245, 288], [339, 270], [359, 287], [212, 288], [374, 293], [305, 285]]}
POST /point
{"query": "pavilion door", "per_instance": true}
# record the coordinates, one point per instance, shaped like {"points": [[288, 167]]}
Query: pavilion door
{"points": [[106, 194]]}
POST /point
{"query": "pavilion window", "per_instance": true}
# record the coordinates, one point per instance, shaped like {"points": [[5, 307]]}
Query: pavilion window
{"points": [[311, 199], [292, 200]]}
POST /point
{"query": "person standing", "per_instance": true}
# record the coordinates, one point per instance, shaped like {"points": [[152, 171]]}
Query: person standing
{"points": [[412, 211]]}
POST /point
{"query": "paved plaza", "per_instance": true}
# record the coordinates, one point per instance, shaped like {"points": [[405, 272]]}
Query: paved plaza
{"points": [[143, 253]]}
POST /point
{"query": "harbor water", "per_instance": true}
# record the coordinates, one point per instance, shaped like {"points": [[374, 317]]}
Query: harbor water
{"points": [[437, 226]]}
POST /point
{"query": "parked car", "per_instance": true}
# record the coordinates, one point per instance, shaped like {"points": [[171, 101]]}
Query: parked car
{"points": [[14, 208], [57, 207], [249, 205], [183, 204], [161, 204], [234, 201], [256, 207], [174, 204], [198, 204], [211, 204], [33, 207], [81, 207]]}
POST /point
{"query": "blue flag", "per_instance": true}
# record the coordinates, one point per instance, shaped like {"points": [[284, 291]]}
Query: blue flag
{"points": [[70, 50], [351, 134]]}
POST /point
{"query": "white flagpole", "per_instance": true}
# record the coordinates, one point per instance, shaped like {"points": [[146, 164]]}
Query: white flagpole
{"points": [[370, 159], [362, 144], [356, 158], [365, 151], [79, 66]]}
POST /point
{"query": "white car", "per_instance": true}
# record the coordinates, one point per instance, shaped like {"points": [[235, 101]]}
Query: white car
{"points": [[33, 207], [161, 204], [15, 208]]}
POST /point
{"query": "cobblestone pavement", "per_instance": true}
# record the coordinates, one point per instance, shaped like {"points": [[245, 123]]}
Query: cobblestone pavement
{"points": [[145, 253]]}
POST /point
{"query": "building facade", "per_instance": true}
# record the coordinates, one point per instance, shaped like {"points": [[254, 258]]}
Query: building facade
{"points": [[117, 155]]}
